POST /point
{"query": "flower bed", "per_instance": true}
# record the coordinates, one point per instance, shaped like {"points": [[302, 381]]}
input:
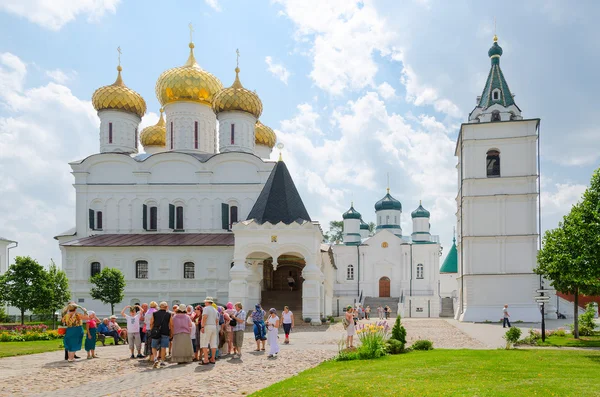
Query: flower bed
{"points": [[26, 333]]}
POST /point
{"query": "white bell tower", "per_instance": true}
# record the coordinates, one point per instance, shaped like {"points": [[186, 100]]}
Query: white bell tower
{"points": [[498, 206]]}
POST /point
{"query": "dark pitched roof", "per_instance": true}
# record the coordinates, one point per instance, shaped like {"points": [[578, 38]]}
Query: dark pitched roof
{"points": [[154, 240], [279, 200]]}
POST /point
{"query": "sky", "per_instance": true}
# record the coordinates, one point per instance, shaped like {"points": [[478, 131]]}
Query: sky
{"points": [[355, 90]]}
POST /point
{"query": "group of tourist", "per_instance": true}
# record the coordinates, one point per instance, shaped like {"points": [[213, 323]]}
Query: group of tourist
{"points": [[354, 314], [184, 334]]}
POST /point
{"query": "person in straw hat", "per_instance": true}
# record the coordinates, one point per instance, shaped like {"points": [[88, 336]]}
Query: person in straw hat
{"points": [[208, 331]]}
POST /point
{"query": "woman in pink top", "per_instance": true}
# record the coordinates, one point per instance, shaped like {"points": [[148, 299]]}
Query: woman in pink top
{"points": [[90, 335], [228, 328], [182, 342]]}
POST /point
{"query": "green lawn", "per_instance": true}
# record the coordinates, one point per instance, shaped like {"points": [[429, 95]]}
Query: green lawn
{"points": [[8, 349], [583, 341], [451, 373]]}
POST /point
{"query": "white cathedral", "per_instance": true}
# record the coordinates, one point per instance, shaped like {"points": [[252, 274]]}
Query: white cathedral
{"points": [[203, 211]]}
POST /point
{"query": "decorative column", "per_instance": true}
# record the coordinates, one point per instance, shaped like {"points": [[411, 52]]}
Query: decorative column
{"points": [[311, 293], [238, 286]]}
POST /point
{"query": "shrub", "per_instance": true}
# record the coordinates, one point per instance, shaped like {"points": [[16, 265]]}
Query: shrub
{"points": [[586, 321], [399, 332], [512, 336], [307, 320], [372, 338], [323, 320], [422, 344], [394, 346], [560, 333], [3, 315], [331, 319]]}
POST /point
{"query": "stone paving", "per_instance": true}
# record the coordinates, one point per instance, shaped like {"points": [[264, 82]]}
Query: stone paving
{"points": [[114, 374]]}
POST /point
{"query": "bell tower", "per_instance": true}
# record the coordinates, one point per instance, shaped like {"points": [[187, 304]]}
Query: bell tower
{"points": [[497, 205]]}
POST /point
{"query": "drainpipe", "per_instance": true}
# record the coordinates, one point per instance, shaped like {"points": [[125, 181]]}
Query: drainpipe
{"points": [[411, 269], [8, 254], [358, 270], [462, 252]]}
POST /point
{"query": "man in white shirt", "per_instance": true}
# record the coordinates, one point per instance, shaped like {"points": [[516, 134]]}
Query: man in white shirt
{"points": [[133, 329], [208, 331], [505, 320], [291, 282]]}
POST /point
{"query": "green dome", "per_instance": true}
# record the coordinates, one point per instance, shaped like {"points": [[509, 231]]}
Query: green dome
{"points": [[450, 264], [388, 203], [364, 225], [351, 214], [495, 50], [420, 212]]}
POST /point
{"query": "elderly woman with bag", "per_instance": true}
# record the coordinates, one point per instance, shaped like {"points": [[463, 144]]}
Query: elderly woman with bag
{"points": [[74, 334]]}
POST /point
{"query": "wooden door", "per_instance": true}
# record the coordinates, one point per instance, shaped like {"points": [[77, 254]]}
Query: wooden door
{"points": [[384, 287]]}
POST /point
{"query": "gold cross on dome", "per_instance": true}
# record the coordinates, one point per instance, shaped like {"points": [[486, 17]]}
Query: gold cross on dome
{"points": [[120, 52], [237, 62], [191, 32]]}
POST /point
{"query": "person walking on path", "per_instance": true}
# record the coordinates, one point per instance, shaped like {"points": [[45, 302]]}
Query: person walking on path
{"points": [[208, 331], [380, 312], [238, 330], [183, 351], [272, 336], [134, 337], [287, 318], [368, 313], [350, 330], [74, 334], [260, 331], [291, 282], [161, 325], [505, 320], [90, 340]]}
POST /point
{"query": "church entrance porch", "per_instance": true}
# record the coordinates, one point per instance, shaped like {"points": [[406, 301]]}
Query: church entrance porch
{"points": [[384, 287], [276, 290]]}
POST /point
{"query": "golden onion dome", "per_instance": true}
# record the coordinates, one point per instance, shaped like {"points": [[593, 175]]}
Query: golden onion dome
{"points": [[118, 96], [187, 83], [264, 135], [155, 135], [237, 97]]}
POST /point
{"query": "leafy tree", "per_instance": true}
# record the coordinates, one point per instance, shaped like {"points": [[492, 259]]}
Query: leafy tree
{"points": [[109, 285], [570, 256], [372, 227], [58, 293], [23, 285], [336, 232]]}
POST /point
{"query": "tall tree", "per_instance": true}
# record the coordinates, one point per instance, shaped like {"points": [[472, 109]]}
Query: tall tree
{"points": [[336, 232], [570, 256], [23, 285], [109, 286], [372, 227], [58, 293]]}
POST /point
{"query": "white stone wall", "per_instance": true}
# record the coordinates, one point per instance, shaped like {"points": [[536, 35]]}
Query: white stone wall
{"points": [[244, 140], [124, 126], [388, 217], [352, 230], [262, 151], [181, 118]]}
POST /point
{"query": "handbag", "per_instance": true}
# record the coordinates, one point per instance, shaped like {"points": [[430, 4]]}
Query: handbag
{"points": [[345, 323], [155, 332], [232, 322]]}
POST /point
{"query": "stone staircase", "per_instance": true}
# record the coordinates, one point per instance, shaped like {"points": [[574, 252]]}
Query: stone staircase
{"points": [[375, 302], [447, 308], [279, 299]]}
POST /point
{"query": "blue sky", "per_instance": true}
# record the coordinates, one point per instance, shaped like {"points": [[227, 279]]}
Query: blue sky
{"points": [[354, 89]]}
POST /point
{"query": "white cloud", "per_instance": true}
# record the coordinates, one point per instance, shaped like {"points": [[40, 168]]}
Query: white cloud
{"points": [[55, 14], [277, 70], [41, 130], [386, 91], [214, 4], [59, 76], [423, 94], [560, 197]]}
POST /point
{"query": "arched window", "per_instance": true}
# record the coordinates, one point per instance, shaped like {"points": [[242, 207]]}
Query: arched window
{"points": [[350, 273], [495, 115], [420, 270], [496, 95], [493, 163], [179, 216], [94, 268], [188, 270], [141, 269]]}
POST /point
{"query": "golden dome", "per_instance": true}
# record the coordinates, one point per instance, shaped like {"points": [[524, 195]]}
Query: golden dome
{"points": [[118, 96], [155, 135], [264, 135], [237, 97], [187, 83]]}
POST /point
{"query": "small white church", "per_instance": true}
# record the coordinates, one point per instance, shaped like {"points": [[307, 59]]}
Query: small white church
{"points": [[203, 211]]}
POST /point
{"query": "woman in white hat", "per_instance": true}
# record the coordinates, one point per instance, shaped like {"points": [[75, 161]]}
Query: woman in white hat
{"points": [[183, 351]]}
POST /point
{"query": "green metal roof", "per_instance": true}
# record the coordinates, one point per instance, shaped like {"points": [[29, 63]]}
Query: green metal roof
{"points": [[494, 81], [364, 225], [351, 214], [420, 212], [388, 203], [450, 264]]}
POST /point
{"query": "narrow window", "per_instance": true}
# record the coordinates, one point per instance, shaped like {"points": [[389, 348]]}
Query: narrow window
{"points": [[233, 215], [179, 223], [109, 132], [350, 273], [171, 135], [420, 270], [493, 163], [135, 143], [153, 218], [387, 219], [495, 95], [92, 218], [98, 220], [395, 219], [233, 134], [188, 270], [196, 135], [95, 268], [141, 269]]}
